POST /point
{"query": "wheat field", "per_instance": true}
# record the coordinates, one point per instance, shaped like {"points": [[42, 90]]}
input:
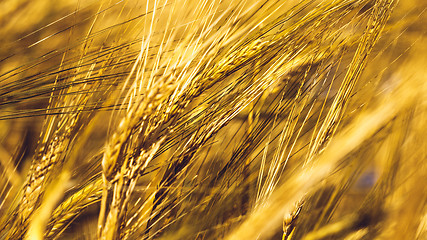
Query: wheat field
{"points": [[213, 119]]}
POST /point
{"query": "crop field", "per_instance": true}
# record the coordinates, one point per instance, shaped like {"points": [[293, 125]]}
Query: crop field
{"points": [[213, 119]]}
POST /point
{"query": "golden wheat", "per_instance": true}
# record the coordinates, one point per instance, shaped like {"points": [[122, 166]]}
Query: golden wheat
{"points": [[213, 119]]}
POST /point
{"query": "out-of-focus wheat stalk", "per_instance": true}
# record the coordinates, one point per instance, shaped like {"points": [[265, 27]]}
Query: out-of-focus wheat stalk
{"points": [[213, 119]]}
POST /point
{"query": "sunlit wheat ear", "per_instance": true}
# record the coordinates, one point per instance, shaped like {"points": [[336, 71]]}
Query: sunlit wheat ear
{"points": [[53, 144], [71, 207]]}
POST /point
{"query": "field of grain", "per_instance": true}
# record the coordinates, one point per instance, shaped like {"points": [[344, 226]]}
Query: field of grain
{"points": [[213, 119]]}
